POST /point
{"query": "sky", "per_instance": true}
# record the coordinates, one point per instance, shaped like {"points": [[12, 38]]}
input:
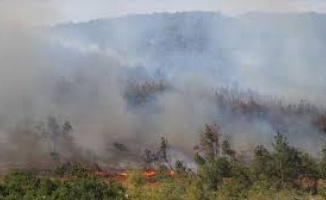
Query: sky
{"points": [[62, 11]]}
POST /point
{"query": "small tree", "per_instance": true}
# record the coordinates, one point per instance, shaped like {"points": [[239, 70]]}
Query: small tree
{"points": [[210, 141], [262, 164], [213, 168], [286, 160], [214, 171], [54, 132]]}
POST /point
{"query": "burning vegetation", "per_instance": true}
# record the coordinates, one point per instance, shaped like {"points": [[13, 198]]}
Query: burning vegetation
{"points": [[49, 151], [52, 151], [105, 115], [283, 170]]}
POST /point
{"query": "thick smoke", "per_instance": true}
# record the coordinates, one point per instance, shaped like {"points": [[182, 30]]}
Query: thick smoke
{"points": [[276, 55], [23, 87], [84, 76]]}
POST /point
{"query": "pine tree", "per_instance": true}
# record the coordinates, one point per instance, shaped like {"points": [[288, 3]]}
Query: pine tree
{"points": [[287, 161], [55, 133], [210, 141], [262, 165]]}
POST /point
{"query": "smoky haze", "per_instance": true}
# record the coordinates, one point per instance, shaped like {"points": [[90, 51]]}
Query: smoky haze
{"points": [[137, 78]]}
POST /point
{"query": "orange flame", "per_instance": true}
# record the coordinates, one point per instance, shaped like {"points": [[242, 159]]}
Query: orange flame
{"points": [[147, 173], [123, 174], [150, 173]]}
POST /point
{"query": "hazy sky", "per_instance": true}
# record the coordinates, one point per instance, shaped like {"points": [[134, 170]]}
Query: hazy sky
{"points": [[53, 11]]}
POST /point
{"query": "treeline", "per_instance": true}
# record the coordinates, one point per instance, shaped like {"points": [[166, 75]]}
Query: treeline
{"points": [[139, 92], [281, 172], [235, 102]]}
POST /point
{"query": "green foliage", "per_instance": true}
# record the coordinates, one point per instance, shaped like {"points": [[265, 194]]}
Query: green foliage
{"points": [[17, 185], [137, 182], [136, 178], [241, 173], [262, 164], [284, 166], [24, 185], [309, 173], [232, 188], [194, 191], [71, 169], [161, 174], [168, 190], [200, 160], [322, 165], [213, 172], [262, 190], [282, 172], [88, 188], [210, 141], [79, 170], [322, 192], [269, 173], [286, 160]]}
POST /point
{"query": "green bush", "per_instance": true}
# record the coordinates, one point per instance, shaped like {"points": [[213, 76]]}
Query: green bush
{"points": [[25, 185]]}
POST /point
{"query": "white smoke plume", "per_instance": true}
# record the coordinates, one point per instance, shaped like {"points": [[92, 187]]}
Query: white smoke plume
{"points": [[84, 77]]}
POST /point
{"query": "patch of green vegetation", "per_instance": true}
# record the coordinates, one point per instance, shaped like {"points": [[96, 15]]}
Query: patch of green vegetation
{"points": [[282, 172]]}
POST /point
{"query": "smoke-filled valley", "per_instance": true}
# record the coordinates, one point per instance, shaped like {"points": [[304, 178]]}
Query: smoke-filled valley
{"points": [[82, 92]]}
